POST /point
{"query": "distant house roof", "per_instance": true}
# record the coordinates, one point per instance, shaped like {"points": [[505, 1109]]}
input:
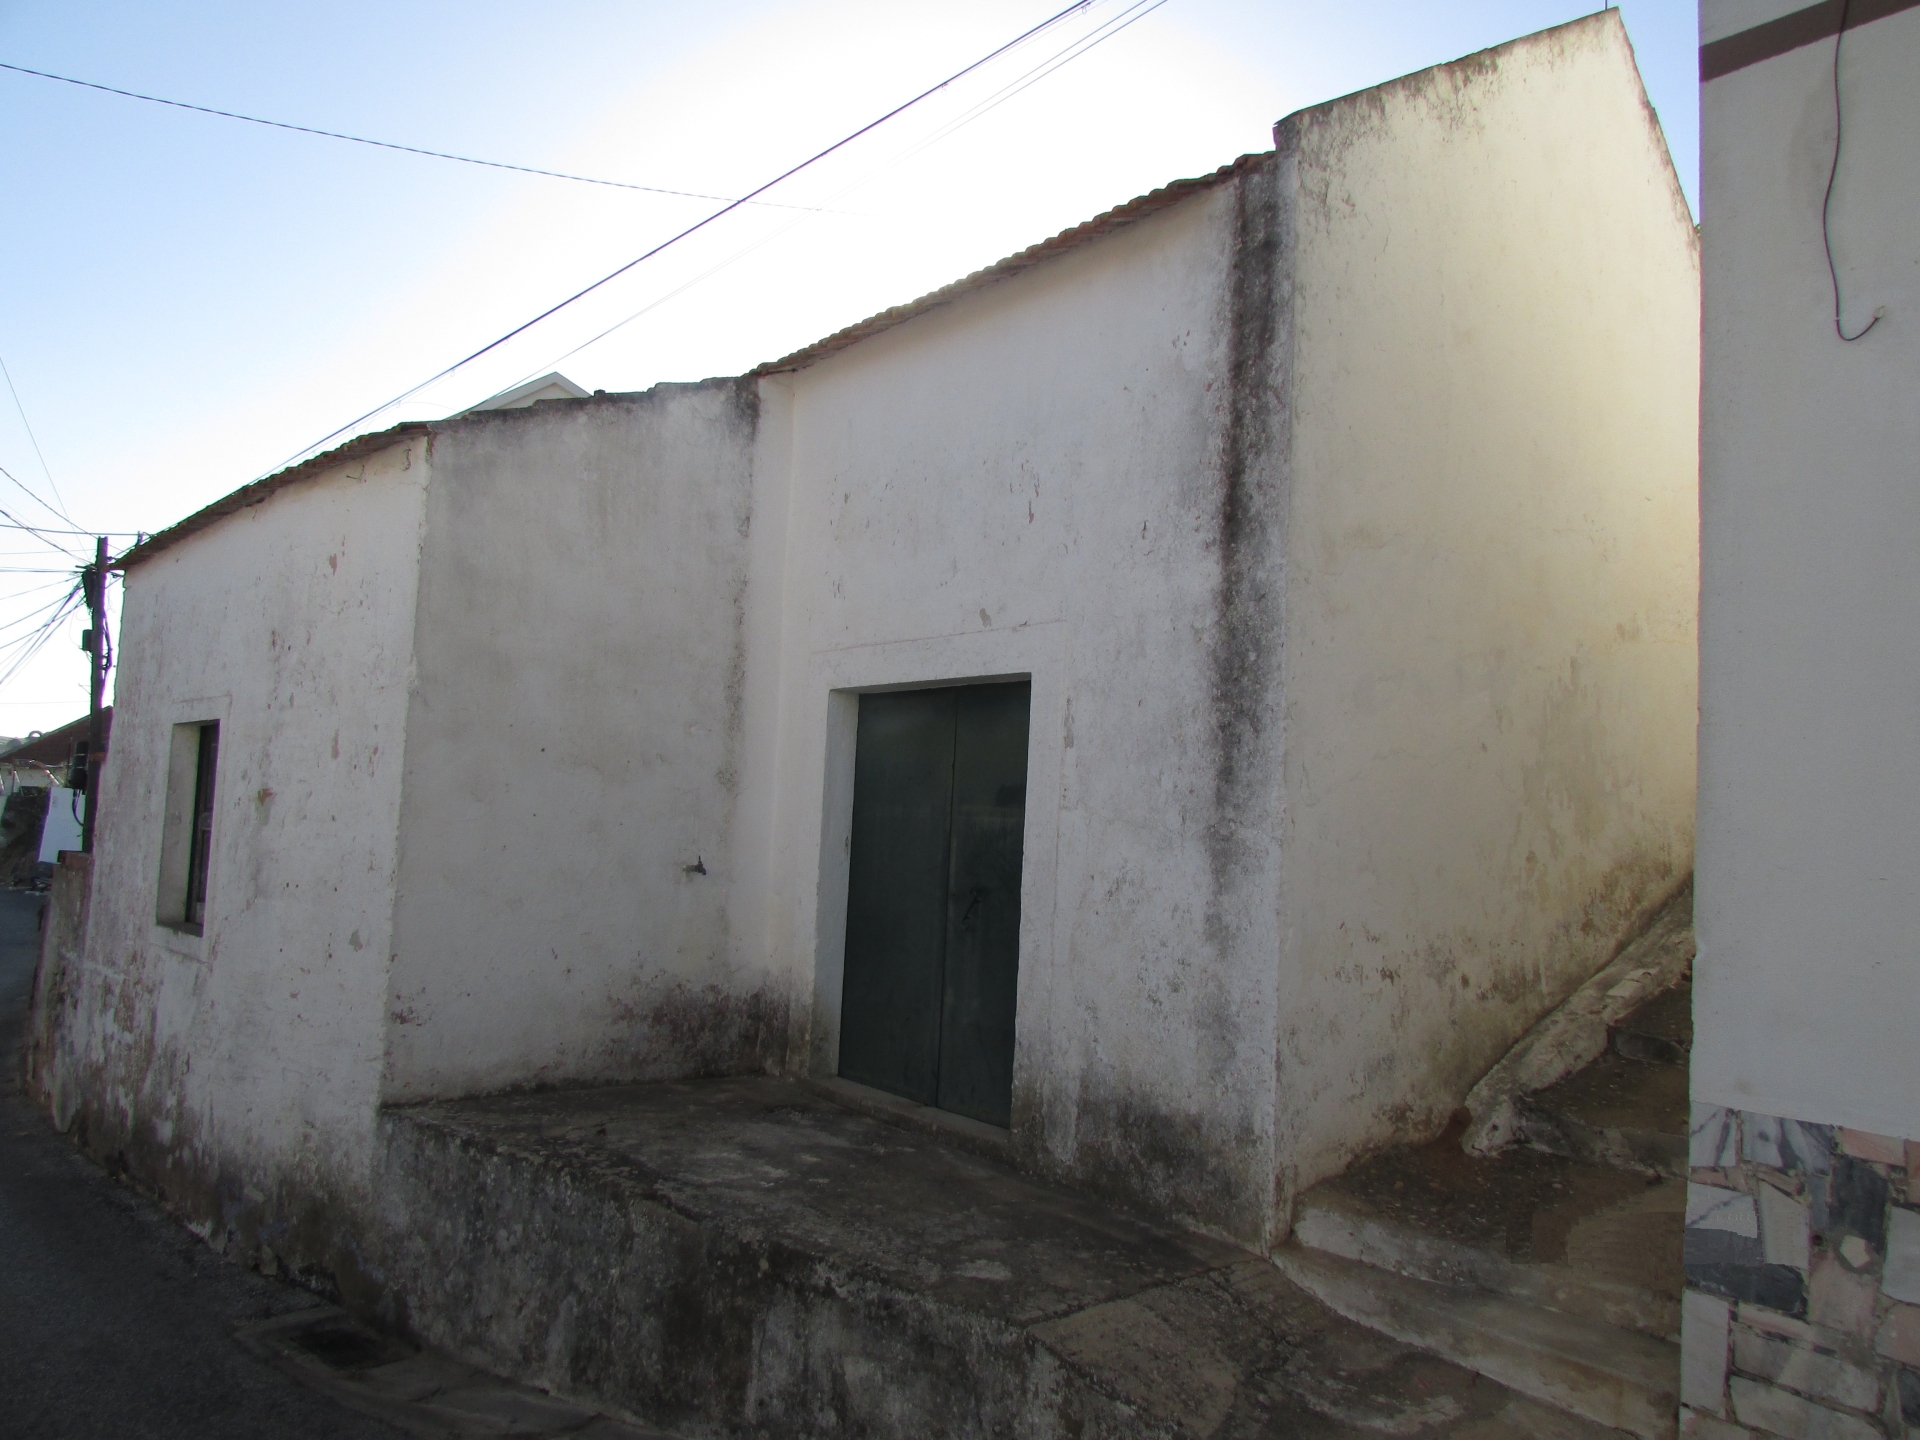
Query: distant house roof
{"points": [[55, 747], [551, 386]]}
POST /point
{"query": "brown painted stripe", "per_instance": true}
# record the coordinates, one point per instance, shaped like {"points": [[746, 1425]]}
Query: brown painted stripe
{"points": [[1790, 32]]}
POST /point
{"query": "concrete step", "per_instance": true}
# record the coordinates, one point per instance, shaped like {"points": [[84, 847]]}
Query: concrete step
{"points": [[1588, 1241], [1616, 1111], [1660, 1032], [1600, 1373]]}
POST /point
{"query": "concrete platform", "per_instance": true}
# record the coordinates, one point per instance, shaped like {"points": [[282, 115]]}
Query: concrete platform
{"points": [[748, 1257]]}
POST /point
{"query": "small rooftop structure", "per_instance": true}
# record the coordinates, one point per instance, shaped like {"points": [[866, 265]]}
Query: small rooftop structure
{"points": [[551, 386]]}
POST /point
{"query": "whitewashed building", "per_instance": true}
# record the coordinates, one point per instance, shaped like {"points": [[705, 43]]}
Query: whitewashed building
{"points": [[1292, 571], [1803, 1245]]}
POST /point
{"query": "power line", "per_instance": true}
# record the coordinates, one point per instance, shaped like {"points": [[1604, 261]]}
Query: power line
{"points": [[45, 530], [377, 144], [1098, 36], [32, 494], [27, 592], [1080, 46], [696, 226], [32, 645], [62, 510], [47, 535], [67, 594]]}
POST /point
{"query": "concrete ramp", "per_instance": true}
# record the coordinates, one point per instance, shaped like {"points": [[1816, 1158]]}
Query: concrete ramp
{"points": [[746, 1257]]}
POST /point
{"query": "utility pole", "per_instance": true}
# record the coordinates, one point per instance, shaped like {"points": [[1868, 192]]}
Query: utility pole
{"points": [[95, 643]]}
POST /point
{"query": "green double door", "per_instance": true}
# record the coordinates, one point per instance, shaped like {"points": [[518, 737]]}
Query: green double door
{"points": [[933, 896]]}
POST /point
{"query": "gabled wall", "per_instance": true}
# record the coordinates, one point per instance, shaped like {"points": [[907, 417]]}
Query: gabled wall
{"points": [[1490, 578], [574, 751], [238, 1069]]}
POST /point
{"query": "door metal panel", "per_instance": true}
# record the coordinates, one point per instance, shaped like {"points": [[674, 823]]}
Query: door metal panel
{"points": [[983, 902], [897, 892], [933, 896]]}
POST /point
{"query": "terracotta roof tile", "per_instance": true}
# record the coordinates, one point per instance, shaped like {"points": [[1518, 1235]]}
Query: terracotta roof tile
{"points": [[265, 489]]}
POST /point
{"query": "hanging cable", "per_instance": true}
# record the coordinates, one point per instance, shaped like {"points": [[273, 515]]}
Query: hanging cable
{"points": [[697, 226], [1071, 52], [12, 390], [66, 594], [45, 530], [31, 494], [379, 144], [1833, 174], [38, 533], [34, 642]]}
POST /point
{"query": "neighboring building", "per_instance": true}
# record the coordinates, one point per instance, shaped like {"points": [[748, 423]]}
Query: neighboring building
{"points": [[43, 812], [551, 386], [1192, 693], [46, 758], [1803, 1255]]}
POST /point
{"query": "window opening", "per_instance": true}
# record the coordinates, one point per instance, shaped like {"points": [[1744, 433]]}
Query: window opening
{"points": [[202, 843]]}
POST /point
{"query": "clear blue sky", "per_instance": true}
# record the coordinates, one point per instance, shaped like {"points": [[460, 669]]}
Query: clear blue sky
{"points": [[189, 301]]}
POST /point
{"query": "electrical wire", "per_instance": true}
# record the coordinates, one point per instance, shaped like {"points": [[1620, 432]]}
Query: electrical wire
{"points": [[1833, 174], [32, 495], [32, 644], [379, 144], [67, 593], [46, 535], [21, 661], [14, 391], [1098, 36], [60, 605], [44, 530], [697, 226], [999, 97], [64, 583]]}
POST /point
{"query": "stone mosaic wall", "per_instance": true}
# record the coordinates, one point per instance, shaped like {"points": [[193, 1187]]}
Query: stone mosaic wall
{"points": [[1802, 1311]]}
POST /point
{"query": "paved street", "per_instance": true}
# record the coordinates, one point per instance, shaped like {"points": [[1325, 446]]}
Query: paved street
{"points": [[115, 1322]]}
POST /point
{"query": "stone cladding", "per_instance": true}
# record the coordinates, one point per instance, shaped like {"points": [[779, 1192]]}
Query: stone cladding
{"points": [[1801, 1317]]}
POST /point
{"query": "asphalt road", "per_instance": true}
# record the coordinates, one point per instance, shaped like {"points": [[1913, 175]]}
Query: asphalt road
{"points": [[114, 1321]]}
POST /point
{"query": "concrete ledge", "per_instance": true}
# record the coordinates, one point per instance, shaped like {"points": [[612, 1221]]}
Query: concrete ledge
{"points": [[746, 1257]]}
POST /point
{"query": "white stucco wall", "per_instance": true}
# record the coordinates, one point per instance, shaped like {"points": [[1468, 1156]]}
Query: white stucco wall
{"points": [[1490, 657], [1808, 981], [1029, 482], [242, 1065], [574, 750]]}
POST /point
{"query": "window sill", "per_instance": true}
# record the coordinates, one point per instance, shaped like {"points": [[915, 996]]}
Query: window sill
{"points": [[181, 938]]}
